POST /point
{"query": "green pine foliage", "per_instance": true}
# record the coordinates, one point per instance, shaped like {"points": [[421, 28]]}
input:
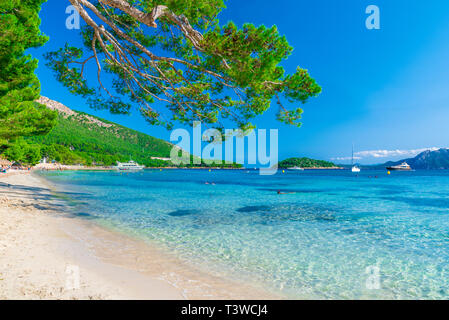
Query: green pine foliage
{"points": [[23, 152], [20, 116], [186, 66], [305, 163]]}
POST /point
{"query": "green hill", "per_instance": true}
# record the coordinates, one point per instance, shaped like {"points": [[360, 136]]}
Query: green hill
{"points": [[305, 163], [80, 138]]}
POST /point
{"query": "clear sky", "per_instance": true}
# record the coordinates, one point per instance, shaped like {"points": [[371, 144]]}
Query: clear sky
{"points": [[386, 91]]}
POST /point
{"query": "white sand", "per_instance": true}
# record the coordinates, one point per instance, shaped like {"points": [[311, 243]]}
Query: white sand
{"points": [[43, 250]]}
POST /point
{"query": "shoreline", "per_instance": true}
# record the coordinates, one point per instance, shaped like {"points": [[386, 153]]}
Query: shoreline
{"points": [[42, 247], [78, 168], [64, 167]]}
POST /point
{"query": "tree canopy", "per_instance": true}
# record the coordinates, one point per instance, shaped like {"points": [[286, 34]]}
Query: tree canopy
{"points": [[305, 163], [177, 63], [19, 87]]}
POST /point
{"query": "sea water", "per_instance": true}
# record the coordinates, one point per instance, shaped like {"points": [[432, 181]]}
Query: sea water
{"points": [[328, 234]]}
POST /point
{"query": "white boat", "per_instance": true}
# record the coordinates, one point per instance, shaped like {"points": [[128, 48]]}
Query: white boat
{"points": [[402, 167], [354, 168], [296, 168], [129, 166]]}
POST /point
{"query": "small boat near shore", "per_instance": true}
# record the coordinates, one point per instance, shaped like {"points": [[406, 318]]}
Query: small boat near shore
{"points": [[296, 169], [402, 167], [129, 166]]}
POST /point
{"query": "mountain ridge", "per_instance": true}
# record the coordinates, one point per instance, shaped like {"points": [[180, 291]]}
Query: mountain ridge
{"points": [[67, 112], [426, 160]]}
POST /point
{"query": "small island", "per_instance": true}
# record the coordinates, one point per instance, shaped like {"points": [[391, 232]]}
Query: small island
{"points": [[307, 163]]}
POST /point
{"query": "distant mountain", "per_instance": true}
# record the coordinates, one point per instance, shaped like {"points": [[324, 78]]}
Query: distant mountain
{"points": [[427, 160]]}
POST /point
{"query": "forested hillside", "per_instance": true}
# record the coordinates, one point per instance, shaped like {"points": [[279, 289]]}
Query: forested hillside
{"points": [[75, 140], [80, 138]]}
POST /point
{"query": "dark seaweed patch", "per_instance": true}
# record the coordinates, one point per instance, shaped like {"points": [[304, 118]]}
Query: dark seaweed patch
{"points": [[421, 202], [288, 212], [83, 215], [293, 190], [387, 192], [361, 197], [181, 213], [254, 209]]}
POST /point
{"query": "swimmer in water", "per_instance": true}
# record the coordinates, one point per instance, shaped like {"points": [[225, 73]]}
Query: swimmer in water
{"points": [[279, 192]]}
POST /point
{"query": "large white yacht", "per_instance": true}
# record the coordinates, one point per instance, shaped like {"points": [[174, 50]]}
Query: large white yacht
{"points": [[129, 166], [402, 167]]}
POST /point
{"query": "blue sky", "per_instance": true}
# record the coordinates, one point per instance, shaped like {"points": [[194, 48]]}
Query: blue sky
{"points": [[386, 91]]}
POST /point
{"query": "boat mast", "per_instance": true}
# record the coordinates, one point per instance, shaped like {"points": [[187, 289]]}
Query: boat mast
{"points": [[352, 161]]}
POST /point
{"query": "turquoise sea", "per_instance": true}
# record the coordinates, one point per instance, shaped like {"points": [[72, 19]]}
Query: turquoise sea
{"points": [[333, 235]]}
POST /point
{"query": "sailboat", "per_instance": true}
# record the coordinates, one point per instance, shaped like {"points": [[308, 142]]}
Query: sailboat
{"points": [[354, 168]]}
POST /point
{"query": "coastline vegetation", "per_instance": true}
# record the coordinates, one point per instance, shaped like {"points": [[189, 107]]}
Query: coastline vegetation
{"points": [[74, 140], [305, 163]]}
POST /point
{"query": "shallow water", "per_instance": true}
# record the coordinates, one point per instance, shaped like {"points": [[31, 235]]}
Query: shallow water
{"points": [[335, 235]]}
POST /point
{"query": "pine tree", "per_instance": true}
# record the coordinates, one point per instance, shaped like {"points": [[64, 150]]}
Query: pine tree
{"points": [[177, 63], [20, 116]]}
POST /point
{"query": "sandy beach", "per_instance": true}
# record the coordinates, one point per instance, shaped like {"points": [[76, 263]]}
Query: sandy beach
{"points": [[47, 254]]}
